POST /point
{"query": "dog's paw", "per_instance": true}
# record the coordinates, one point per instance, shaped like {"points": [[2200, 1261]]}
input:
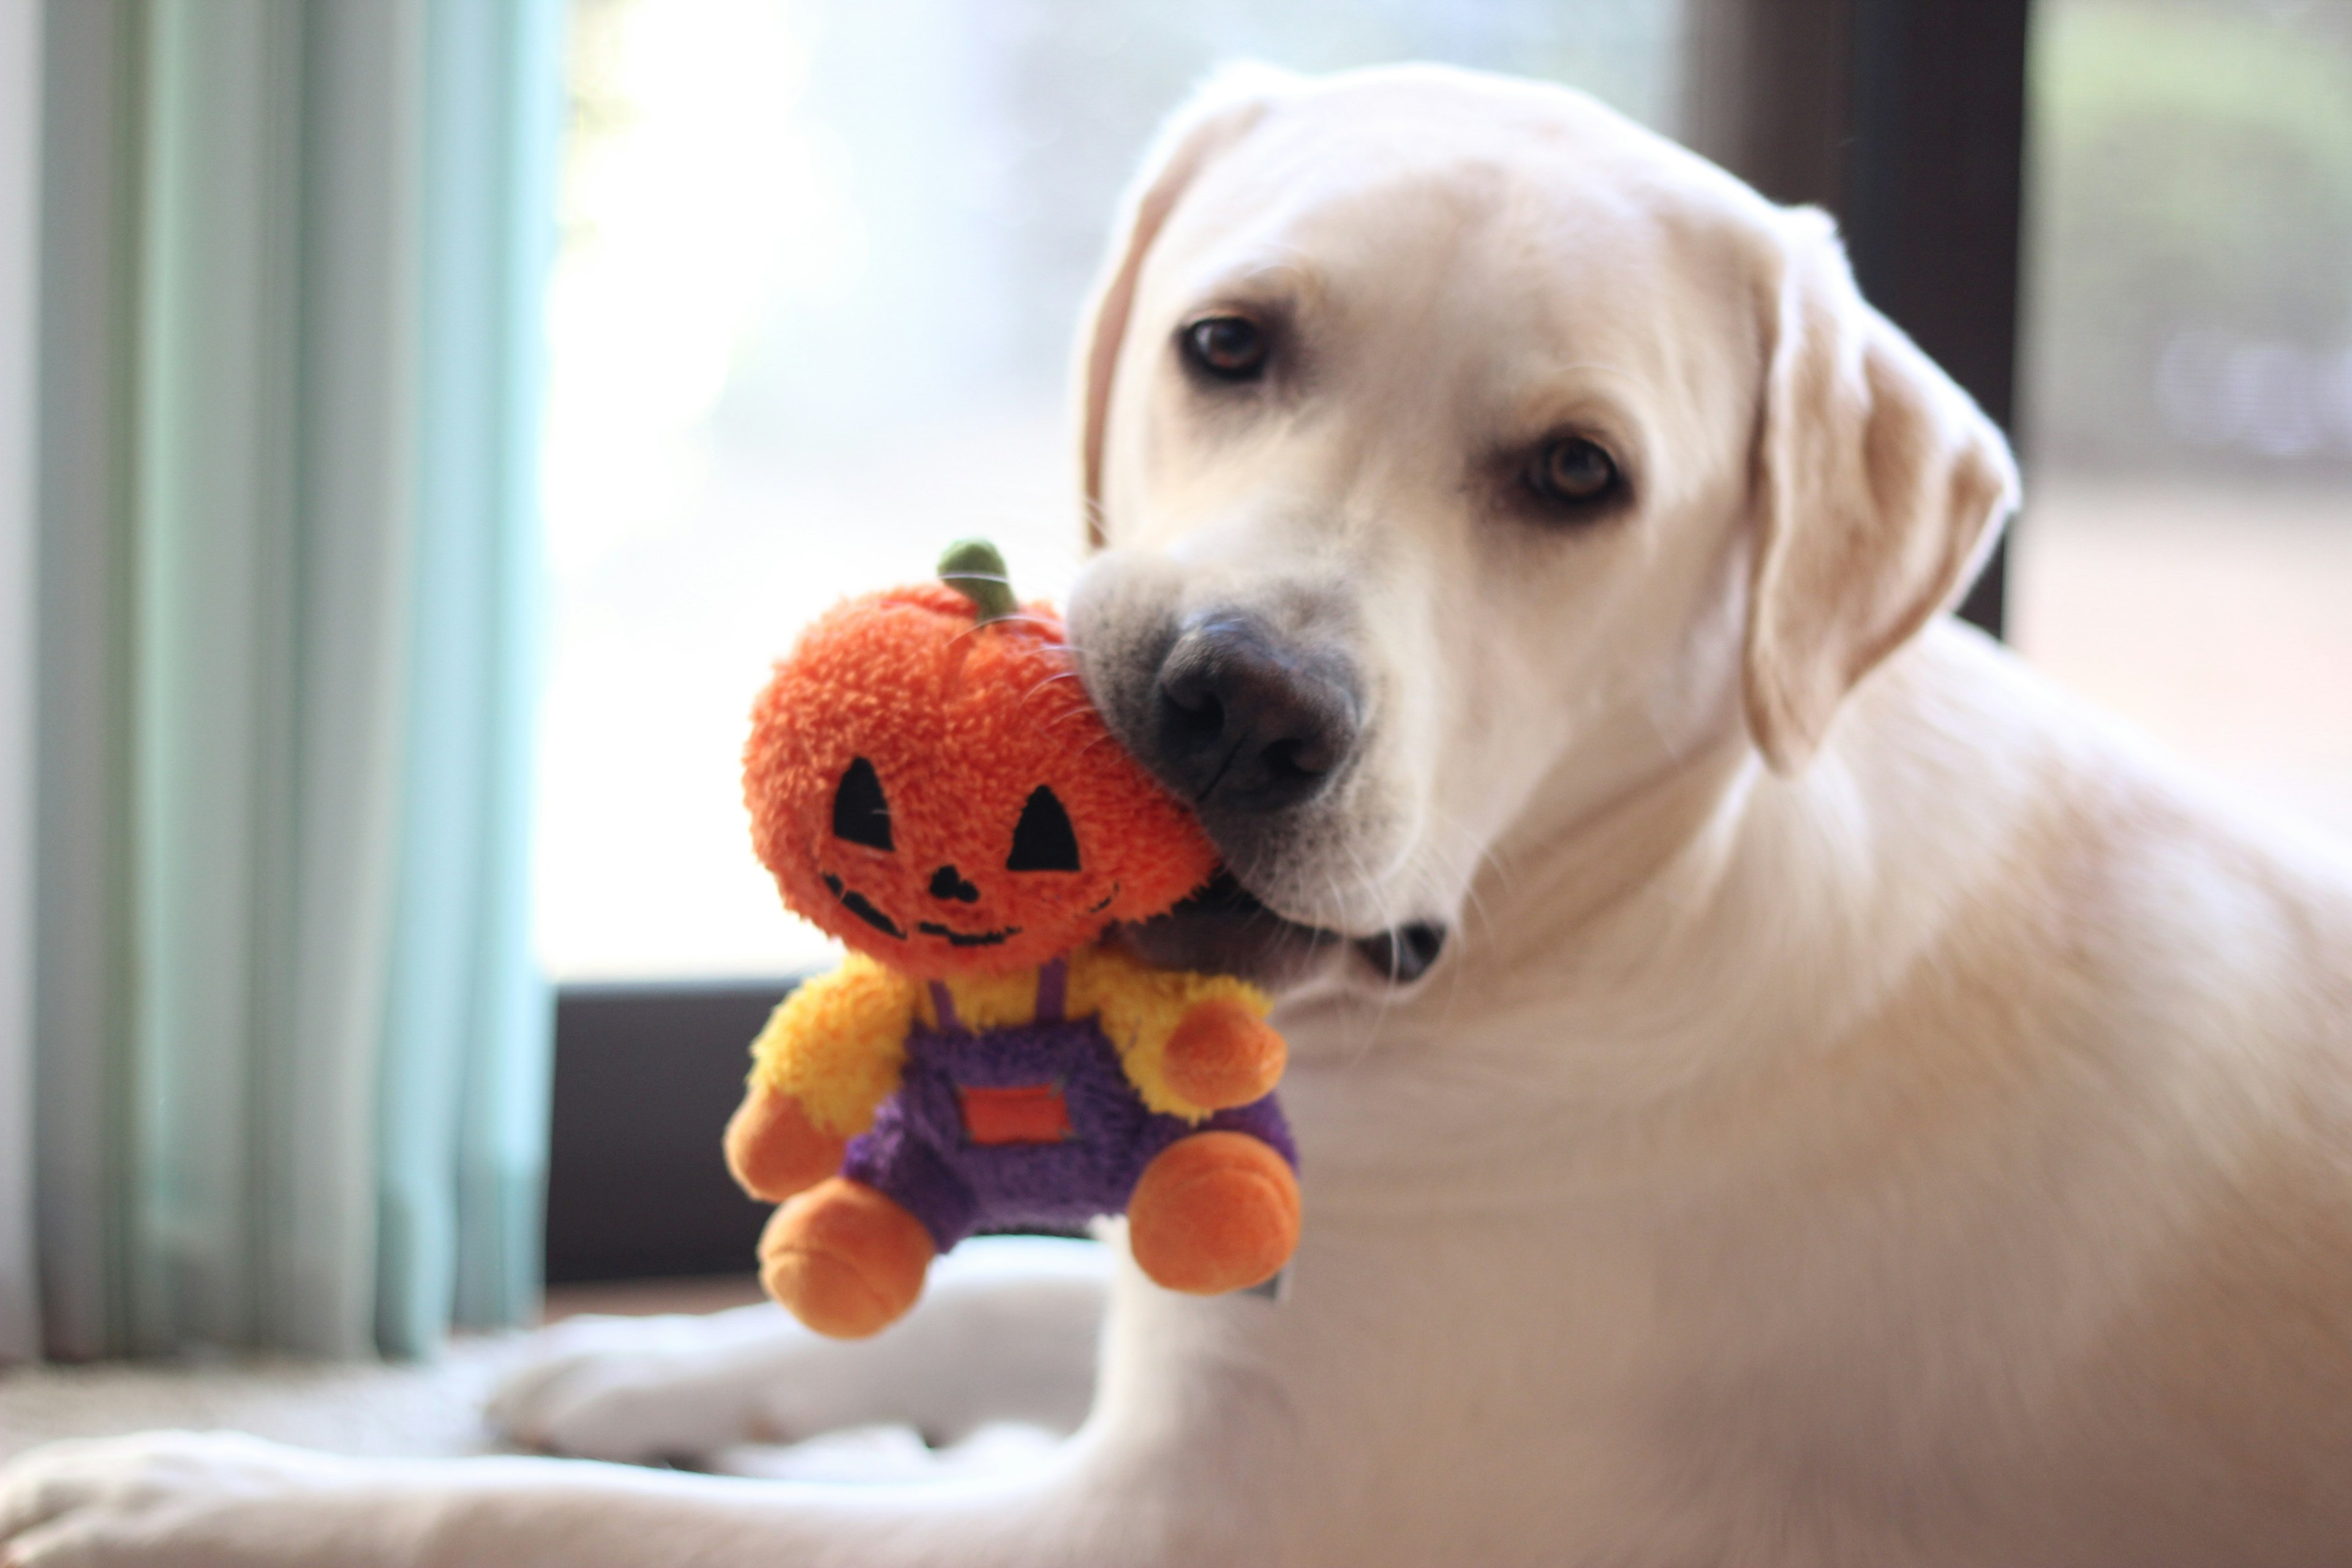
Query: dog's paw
{"points": [[641, 1389], [193, 1500]]}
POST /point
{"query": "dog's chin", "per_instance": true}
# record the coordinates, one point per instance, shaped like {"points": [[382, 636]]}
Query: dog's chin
{"points": [[1224, 928]]}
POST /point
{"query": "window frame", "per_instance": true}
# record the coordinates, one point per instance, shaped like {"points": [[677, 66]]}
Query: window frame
{"points": [[1906, 120]]}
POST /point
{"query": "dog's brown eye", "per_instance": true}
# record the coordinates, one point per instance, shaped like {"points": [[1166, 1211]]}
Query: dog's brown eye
{"points": [[1573, 471], [1231, 348]]}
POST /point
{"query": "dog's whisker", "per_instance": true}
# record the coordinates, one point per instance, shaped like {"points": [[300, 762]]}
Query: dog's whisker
{"points": [[1361, 1047], [1481, 855]]}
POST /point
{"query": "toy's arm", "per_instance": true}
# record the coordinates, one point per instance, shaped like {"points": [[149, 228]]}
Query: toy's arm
{"points": [[829, 1056], [1192, 1044]]}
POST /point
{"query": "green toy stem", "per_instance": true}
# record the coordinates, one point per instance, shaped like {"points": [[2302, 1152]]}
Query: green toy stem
{"points": [[974, 568]]}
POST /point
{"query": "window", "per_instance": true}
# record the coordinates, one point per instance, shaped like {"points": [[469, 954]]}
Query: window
{"points": [[2186, 558]]}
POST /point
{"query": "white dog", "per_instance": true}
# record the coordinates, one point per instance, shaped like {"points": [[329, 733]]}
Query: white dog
{"points": [[1858, 1110]]}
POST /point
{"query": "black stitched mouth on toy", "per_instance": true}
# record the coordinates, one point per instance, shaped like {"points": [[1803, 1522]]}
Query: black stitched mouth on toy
{"points": [[968, 939], [859, 904]]}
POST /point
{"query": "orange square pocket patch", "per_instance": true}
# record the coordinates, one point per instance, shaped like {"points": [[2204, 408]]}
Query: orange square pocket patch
{"points": [[1023, 1113]]}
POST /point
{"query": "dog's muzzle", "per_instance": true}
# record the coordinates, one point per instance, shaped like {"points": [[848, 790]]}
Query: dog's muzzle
{"points": [[1258, 730]]}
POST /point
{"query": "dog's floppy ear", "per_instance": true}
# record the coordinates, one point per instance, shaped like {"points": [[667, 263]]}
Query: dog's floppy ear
{"points": [[1880, 487], [1218, 115]]}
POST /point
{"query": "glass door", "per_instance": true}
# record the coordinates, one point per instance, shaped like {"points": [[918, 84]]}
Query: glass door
{"points": [[2186, 405]]}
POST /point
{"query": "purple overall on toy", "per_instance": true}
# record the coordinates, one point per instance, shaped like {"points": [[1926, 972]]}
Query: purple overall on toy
{"points": [[1035, 1125]]}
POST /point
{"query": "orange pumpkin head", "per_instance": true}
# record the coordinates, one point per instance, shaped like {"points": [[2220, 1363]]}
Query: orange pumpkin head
{"points": [[928, 783]]}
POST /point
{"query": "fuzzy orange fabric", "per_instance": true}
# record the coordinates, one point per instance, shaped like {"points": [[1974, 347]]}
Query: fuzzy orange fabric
{"points": [[1225, 1053], [844, 1259], [1142, 1009], [773, 1150], [981, 756], [1216, 1212]]}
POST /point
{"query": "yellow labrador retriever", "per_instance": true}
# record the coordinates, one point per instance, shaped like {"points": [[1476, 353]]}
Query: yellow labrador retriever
{"points": [[1778, 1084]]}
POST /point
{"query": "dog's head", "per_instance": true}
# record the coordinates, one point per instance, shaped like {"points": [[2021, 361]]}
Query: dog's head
{"points": [[1466, 459]]}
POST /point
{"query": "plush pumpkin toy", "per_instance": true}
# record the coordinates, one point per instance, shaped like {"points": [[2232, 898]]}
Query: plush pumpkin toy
{"points": [[928, 783]]}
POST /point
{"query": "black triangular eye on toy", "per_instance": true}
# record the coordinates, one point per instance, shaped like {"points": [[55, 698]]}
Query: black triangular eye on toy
{"points": [[1043, 840], [860, 813]]}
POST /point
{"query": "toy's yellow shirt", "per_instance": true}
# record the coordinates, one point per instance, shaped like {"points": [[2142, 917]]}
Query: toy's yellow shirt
{"points": [[837, 1042]]}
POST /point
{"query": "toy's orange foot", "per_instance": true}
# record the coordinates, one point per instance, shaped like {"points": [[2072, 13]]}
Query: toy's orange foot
{"points": [[844, 1259], [1214, 1212]]}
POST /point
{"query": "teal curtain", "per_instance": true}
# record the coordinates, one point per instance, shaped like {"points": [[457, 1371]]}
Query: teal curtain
{"points": [[290, 1056], [470, 1248], [20, 141]]}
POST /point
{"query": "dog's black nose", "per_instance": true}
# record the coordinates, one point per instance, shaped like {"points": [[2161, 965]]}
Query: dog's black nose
{"points": [[1250, 722]]}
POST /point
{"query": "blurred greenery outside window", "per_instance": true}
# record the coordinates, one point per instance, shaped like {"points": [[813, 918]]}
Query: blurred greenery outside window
{"points": [[2186, 405], [2190, 272]]}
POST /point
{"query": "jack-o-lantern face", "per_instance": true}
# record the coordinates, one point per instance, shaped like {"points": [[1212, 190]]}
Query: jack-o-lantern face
{"points": [[941, 796]]}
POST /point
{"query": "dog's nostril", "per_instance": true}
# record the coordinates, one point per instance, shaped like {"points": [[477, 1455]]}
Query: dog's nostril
{"points": [[1197, 711], [1298, 759]]}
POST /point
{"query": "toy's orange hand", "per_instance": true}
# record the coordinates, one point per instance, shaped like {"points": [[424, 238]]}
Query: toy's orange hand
{"points": [[1224, 1054], [774, 1149]]}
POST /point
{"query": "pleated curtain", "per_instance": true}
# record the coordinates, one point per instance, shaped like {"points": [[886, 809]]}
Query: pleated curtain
{"points": [[288, 1057], [19, 315]]}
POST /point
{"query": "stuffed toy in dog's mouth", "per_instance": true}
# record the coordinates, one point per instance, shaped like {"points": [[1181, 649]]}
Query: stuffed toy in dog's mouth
{"points": [[1224, 929]]}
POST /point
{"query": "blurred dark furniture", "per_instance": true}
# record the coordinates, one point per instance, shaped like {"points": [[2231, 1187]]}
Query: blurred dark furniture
{"points": [[645, 1078]]}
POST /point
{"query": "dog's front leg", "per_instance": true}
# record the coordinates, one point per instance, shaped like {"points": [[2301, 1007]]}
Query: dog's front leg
{"points": [[220, 1500], [1006, 1332]]}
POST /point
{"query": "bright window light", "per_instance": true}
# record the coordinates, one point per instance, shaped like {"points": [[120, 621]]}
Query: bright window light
{"points": [[823, 264]]}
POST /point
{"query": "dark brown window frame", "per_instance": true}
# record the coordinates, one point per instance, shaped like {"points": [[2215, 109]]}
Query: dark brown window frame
{"points": [[1904, 118]]}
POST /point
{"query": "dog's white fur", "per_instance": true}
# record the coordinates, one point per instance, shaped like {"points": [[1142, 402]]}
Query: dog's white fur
{"points": [[1871, 1114]]}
